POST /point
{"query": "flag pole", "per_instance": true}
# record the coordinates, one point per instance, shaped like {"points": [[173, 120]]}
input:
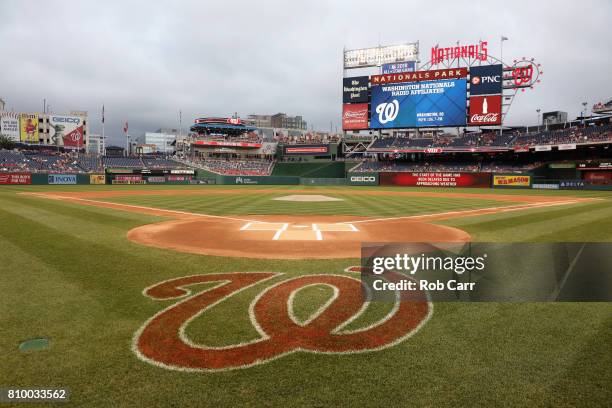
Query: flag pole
{"points": [[103, 137]]}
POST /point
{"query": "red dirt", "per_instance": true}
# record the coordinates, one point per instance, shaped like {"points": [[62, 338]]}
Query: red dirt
{"points": [[222, 236]]}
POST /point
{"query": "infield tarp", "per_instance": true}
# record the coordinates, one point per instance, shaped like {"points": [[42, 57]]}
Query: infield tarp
{"points": [[435, 179]]}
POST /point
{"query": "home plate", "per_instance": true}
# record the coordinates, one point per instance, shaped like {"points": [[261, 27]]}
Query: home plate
{"points": [[307, 198]]}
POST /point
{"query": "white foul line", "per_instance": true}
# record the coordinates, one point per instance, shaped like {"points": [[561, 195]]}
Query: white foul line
{"points": [[476, 210]]}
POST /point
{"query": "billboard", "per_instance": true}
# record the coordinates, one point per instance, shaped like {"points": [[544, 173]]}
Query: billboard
{"points": [[486, 79], [512, 180], [308, 150], [375, 56], [355, 89], [436, 179], [62, 178], [485, 110], [66, 131], [397, 67], [97, 179], [28, 128], [419, 104], [363, 179], [354, 116], [9, 125], [15, 178]]}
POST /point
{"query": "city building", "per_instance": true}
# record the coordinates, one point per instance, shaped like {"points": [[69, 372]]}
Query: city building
{"points": [[282, 120], [259, 121], [278, 121], [1, 104], [162, 140], [96, 144]]}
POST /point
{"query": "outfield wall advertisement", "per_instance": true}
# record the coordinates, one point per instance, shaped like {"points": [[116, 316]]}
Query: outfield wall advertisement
{"points": [[511, 181], [15, 178], [66, 131], [97, 179], [436, 179], [62, 178], [419, 104], [363, 179]]}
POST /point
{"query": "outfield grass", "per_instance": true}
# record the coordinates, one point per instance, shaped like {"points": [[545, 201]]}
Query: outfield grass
{"points": [[69, 273]]}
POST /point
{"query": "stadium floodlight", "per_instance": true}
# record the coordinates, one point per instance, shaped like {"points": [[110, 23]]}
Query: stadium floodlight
{"points": [[375, 56]]}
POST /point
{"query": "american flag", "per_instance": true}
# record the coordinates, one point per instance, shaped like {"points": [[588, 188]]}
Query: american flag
{"points": [[125, 128]]}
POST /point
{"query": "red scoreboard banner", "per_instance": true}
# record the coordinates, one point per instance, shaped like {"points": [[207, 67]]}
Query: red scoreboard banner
{"points": [[354, 116], [485, 110], [308, 150], [15, 178], [436, 179]]}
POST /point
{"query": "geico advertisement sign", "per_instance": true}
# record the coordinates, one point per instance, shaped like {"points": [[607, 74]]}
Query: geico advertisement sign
{"points": [[363, 179], [369, 179], [66, 131]]}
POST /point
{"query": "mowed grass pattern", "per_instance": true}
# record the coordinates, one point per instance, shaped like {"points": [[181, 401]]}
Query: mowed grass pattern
{"points": [[264, 203], [68, 272]]}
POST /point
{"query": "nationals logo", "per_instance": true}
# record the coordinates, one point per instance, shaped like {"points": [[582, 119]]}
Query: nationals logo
{"points": [[162, 340], [387, 112]]}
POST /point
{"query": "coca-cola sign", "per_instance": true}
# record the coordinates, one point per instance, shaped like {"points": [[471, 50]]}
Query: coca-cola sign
{"points": [[355, 116], [485, 110]]}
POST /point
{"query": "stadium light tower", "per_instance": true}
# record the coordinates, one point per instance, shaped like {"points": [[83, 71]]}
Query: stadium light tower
{"points": [[538, 122], [584, 109]]}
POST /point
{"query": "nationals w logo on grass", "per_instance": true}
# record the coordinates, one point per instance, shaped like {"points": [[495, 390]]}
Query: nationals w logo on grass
{"points": [[162, 340]]}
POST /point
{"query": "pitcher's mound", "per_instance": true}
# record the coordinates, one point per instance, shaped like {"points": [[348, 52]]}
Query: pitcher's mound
{"points": [[307, 197]]}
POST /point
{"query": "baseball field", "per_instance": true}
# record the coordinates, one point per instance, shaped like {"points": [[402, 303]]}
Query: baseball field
{"points": [[244, 296]]}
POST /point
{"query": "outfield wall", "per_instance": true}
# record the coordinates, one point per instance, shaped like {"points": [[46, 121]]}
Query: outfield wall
{"points": [[327, 169], [25, 178], [435, 179]]}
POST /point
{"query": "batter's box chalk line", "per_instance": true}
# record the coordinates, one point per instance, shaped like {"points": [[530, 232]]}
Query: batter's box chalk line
{"points": [[289, 231]]}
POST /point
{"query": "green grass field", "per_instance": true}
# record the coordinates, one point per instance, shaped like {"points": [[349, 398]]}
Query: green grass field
{"points": [[69, 273]]}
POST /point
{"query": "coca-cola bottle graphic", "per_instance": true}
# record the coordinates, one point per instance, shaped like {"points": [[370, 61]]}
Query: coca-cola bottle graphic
{"points": [[485, 106]]}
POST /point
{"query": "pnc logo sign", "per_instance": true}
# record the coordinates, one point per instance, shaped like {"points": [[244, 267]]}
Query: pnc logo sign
{"points": [[486, 79], [387, 112]]}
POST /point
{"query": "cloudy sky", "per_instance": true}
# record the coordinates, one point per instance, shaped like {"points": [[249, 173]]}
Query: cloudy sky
{"points": [[146, 60]]}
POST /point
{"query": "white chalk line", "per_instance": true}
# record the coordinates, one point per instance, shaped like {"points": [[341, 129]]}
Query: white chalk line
{"points": [[484, 211], [280, 231], [140, 207]]}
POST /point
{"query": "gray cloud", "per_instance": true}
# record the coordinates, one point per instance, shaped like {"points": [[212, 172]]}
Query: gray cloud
{"points": [[146, 60]]}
